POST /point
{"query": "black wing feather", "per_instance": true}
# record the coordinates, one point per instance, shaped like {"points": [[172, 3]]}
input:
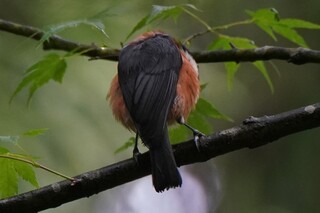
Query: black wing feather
{"points": [[148, 73]]}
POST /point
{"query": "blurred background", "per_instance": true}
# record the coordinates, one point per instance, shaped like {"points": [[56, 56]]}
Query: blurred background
{"points": [[281, 177]]}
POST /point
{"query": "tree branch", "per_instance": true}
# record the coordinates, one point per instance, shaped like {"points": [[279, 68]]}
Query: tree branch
{"points": [[254, 132], [292, 55], [57, 43]]}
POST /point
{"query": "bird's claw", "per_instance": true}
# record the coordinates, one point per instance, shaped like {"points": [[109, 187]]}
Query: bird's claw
{"points": [[136, 155], [196, 137]]}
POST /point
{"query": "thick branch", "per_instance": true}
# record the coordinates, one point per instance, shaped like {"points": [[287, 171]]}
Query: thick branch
{"points": [[292, 55], [252, 133]]}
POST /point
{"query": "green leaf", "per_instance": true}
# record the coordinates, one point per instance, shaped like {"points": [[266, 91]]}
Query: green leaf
{"points": [[265, 19], [268, 20], [54, 29], [298, 23], [263, 70], [290, 34], [8, 178], [219, 43], [103, 14], [239, 42], [3, 150], [225, 42], [52, 67], [178, 134], [139, 25], [198, 121], [157, 13], [35, 132], [267, 29], [208, 110], [266, 14], [11, 169], [164, 12], [231, 68], [126, 145], [160, 13], [9, 139], [26, 172], [203, 86]]}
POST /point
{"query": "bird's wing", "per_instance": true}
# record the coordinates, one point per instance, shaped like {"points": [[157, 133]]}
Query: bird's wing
{"points": [[148, 73]]}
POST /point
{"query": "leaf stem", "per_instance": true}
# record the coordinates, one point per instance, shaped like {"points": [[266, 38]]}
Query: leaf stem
{"points": [[198, 19], [35, 164], [227, 26], [213, 29]]}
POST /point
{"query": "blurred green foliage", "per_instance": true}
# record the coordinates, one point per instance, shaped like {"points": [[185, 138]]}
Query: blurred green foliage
{"points": [[281, 177]]}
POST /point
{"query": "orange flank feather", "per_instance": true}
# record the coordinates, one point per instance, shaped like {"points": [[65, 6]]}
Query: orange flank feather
{"points": [[118, 106], [188, 89]]}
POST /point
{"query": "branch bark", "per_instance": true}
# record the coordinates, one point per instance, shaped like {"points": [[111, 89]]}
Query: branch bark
{"points": [[254, 132], [291, 55]]}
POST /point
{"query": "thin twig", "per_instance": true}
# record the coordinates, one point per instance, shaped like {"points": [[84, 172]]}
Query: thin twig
{"points": [[35, 164]]}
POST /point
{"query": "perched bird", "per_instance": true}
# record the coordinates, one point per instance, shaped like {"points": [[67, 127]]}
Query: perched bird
{"points": [[157, 84]]}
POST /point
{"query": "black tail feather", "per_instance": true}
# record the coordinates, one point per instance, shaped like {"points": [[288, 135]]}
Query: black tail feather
{"points": [[165, 173]]}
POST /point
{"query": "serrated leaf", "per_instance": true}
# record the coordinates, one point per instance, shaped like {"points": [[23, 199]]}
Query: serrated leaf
{"points": [[52, 67], [232, 68], [26, 172], [263, 70], [54, 29], [97, 24], [157, 13], [160, 13], [126, 145], [224, 43], [268, 20], [265, 14], [209, 110], [298, 23], [10, 139], [265, 19], [290, 34], [35, 132], [164, 12], [8, 178], [11, 169], [267, 29]]}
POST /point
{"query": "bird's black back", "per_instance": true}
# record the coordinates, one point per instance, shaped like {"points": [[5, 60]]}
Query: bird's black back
{"points": [[148, 72]]}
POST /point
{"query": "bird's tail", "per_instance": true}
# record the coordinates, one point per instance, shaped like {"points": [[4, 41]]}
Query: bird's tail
{"points": [[165, 173]]}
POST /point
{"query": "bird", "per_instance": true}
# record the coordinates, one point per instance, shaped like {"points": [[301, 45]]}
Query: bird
{"points": [[157, 84]]}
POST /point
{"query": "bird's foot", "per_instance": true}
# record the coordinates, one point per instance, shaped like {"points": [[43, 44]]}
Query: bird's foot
{"points": [[136, 154], [196, 138]]}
